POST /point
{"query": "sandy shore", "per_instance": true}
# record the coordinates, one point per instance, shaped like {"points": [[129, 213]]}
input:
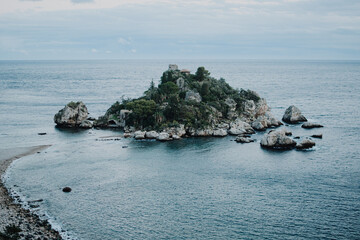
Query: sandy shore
{"points": [[12, 214]]}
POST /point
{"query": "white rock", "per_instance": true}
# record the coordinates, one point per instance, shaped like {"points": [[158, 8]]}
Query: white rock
{"points": [[236, 131], [220, 133], [163, 136], [176, 137], [151, 135], [139, 135]]}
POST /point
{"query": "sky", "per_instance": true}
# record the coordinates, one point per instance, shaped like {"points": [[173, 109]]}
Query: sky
{"points": [[186, 29]]}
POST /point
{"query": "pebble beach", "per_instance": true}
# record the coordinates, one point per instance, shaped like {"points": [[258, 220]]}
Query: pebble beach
{"points": [[12, 214]]}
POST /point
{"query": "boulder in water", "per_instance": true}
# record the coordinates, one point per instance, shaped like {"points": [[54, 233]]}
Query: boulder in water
{"points": [[220, 133], [72, 115], [317, 135], [139, 135], [66, 189], [151, 135], [163, 136], [311, 125], [293, 115], [305, 144], [244, 140], [277, 140]]}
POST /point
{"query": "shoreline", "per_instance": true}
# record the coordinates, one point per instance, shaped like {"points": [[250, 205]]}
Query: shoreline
{"points": [[32, 227]]}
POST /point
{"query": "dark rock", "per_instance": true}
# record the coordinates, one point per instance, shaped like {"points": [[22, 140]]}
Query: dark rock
{"points": [[66, 189], [317, 135], [297, 137], [124, 146], [43, 133], [311, 125]]}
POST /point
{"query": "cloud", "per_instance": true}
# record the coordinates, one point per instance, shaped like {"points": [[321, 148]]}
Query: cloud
{"points": [[123, 41], [81, 1], [186, 29]]}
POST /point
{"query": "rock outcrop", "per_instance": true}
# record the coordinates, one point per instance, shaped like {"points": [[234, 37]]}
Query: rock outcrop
{"points": [[277, 140], [317, 135], [293, 115], [151, 135], [72, 115], [305, 144], [244, 140], [192, 96], [163, 136], [240, 127], [311, 125], [220, 133], [138, 135]]}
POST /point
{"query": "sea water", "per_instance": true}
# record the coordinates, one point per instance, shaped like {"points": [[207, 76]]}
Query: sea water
{"points": [[196, 188]]}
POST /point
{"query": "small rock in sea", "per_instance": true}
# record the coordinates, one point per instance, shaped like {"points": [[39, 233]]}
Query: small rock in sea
{"points": [[176, 137], [287, 132], [317, 135], [297, 137], [293, 115], [43, 133], [125, 146], [66, 189], [311, 125], [277, 140], [305, 144], [244, 140]]}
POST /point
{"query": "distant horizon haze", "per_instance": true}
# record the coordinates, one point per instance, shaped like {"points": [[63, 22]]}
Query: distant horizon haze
{"points": [[188, 29]]}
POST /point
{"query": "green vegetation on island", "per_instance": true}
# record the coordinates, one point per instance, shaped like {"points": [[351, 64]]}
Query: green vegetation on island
{"points": [[194, 100]]}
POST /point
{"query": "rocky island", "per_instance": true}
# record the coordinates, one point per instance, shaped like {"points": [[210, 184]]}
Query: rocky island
{"points": [[189, 105]]}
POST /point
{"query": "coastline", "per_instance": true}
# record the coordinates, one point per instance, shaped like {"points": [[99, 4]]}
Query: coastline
{"points": [[13, 214]]}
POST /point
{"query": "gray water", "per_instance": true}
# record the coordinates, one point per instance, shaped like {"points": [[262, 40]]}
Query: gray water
{"points": [[204, 188]]}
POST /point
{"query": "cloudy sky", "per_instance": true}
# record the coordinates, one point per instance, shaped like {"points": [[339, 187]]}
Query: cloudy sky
{"points": [[173, 29]]}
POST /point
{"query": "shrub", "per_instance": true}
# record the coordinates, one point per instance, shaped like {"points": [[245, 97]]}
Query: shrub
{"points": [[201, 74], [143, 112], [169, 88]]}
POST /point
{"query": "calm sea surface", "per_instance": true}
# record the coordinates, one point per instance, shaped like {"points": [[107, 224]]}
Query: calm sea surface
{"points": [[202, 188]]}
